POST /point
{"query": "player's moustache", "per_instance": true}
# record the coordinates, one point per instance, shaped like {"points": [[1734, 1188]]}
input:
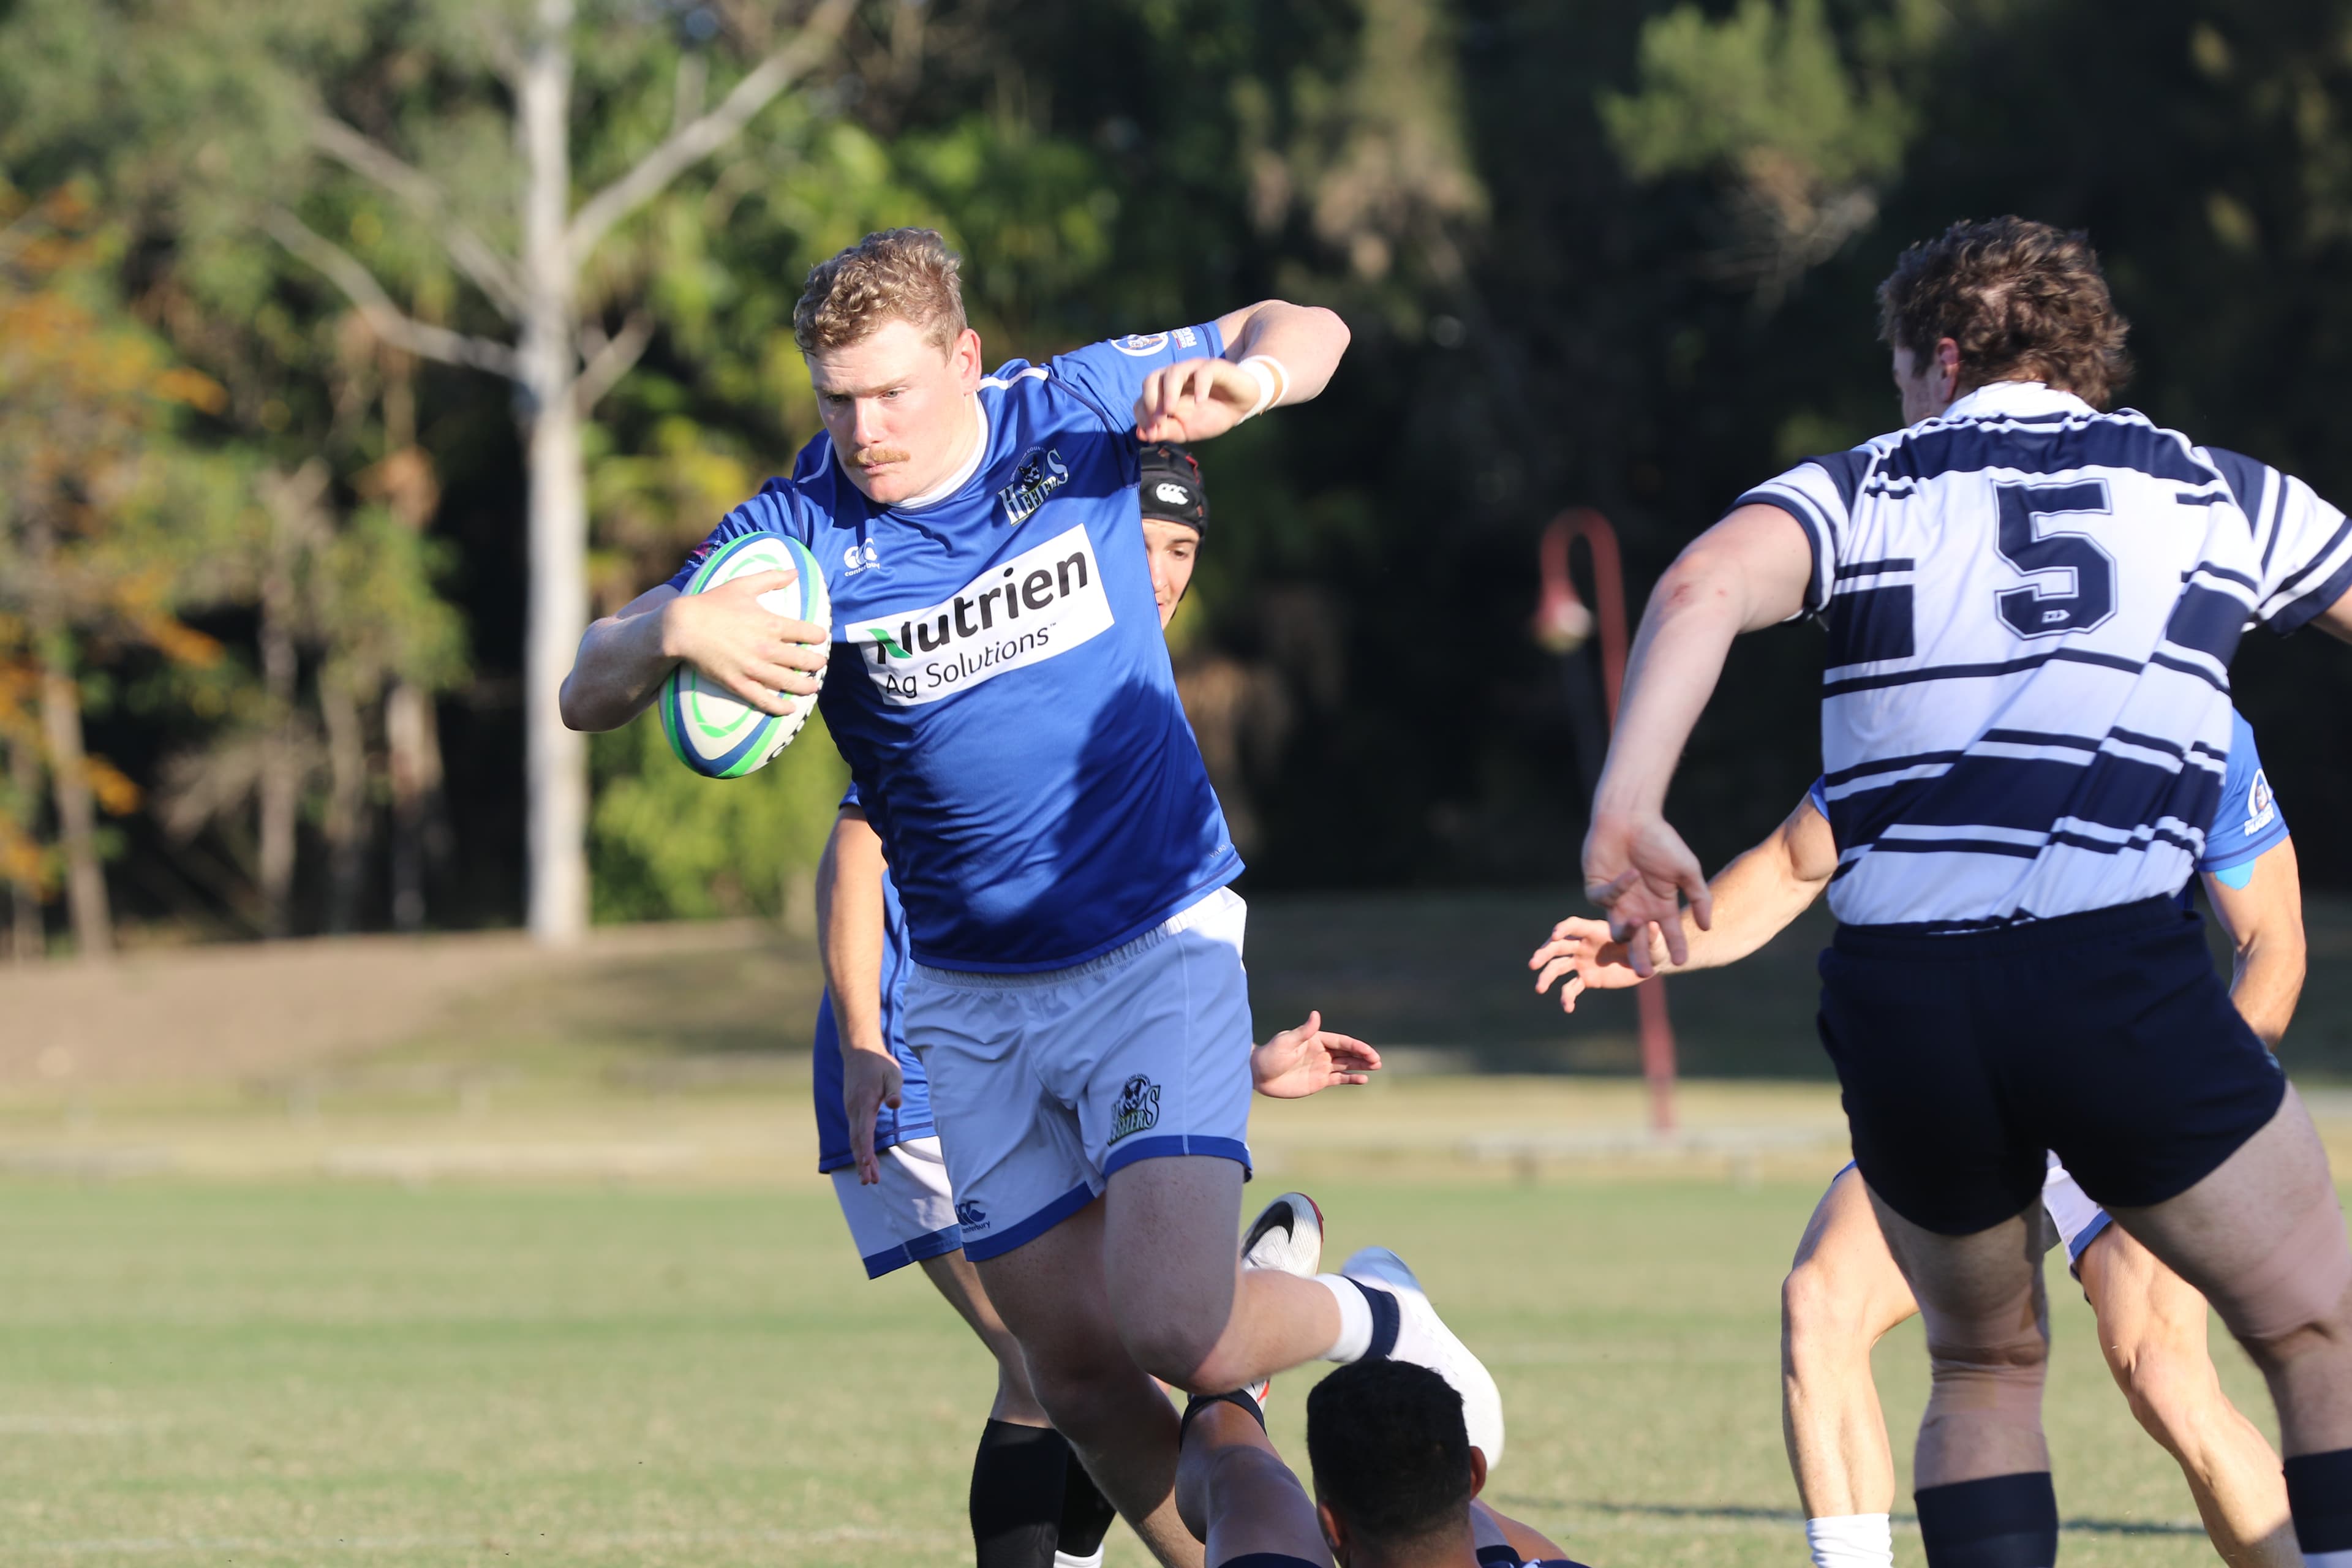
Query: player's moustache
{"points": [[867, 457]]}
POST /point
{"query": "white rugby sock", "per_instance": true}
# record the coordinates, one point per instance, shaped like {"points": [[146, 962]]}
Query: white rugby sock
{"points": [[1851, 1540], [1063, 1560], [1355, 1318]]}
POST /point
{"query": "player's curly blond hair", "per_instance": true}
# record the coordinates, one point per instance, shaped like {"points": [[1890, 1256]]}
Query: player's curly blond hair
{"points": [[2022, 300], [900, 274]]}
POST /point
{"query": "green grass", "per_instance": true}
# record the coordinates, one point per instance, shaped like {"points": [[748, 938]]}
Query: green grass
{"points": [[308, 1372]]}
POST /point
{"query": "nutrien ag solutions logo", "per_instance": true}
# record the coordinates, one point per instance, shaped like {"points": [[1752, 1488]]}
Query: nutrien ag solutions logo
{"points": [[1043, 602]]}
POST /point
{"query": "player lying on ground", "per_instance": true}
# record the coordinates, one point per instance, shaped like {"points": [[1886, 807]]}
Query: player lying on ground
{"points": [[1032, 1502], [1001, 692], [1396, 1467], [1844, 1291], [2030, 607], [1396, 1481]]}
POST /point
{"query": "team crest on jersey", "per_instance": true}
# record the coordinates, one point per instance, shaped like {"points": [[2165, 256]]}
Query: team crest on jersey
{"points": [[1137, 1110], [1041, 473], [1140, 343], [2260, 804], [859, 557]]}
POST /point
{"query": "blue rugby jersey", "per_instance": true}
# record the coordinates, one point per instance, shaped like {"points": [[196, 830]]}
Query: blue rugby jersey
{"points": [[2032, 608], [913, 1118], [998, 680], [2247, 822]]}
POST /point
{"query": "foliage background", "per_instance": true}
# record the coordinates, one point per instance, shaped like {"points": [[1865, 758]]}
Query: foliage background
{"points": [[1616, 254]]}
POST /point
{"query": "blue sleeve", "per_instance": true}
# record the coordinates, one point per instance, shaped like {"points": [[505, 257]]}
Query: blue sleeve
{"points": [[1109, 375], [1818, 792], [771, 512], [2248, 824], [849, 798]]}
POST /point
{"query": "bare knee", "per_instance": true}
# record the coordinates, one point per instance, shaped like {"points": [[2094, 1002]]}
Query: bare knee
{"points": [[2170, 1388], [1183, 1349], [1824, 1321]]}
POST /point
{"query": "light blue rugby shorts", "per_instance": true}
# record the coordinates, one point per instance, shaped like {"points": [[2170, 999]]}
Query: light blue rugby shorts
{"points": [[1043, 1085]]}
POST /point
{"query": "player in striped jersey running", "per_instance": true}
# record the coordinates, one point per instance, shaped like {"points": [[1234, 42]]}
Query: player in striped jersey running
{"points": [[1844, 1292], [2030, 605]]}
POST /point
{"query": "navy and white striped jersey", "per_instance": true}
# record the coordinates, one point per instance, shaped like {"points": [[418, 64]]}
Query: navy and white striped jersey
{"points": [[2032, 608]]}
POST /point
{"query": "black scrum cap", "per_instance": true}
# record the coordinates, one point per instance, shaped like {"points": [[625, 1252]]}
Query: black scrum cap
{"points": [[1171, 486]]}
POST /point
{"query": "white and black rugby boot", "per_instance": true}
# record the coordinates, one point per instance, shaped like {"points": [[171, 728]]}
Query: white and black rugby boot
{"points": [[1411, 1330], [1286, 1237]]}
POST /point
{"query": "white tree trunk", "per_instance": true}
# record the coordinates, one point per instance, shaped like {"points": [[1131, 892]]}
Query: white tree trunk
{"points": [[77, 811], [27, 939], [557, 757]]}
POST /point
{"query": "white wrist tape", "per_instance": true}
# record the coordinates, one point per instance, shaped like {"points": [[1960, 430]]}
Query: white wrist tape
{"points": [[1273, 382]]}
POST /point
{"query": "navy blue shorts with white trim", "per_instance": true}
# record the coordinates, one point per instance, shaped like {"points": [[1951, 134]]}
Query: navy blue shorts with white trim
{"points": [[2107, 1036]]}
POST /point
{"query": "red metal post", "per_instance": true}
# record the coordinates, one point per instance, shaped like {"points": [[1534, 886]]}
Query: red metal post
{"points": [[1562, 621]]}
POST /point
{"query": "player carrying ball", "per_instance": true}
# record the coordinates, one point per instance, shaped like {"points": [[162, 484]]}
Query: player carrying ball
{"points": [[1844, 1292], [2031, 605], [1033, 1505], [997, 682]]}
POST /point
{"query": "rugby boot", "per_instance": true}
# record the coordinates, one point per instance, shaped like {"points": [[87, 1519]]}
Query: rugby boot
{"points": [[1287, 1237], [1421, 1337]]}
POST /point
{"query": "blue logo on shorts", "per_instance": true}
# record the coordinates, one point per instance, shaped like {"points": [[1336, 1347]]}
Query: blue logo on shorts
{"points": [[1138, 1108], [970, 1215]]}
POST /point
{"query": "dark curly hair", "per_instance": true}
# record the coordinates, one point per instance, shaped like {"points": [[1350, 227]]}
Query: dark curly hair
{"points": [[1389, 1449], [2022, 301]]}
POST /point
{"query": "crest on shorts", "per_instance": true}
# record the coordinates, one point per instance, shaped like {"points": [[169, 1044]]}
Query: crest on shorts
{"points": [[970, 1215], [1137, 1108]]}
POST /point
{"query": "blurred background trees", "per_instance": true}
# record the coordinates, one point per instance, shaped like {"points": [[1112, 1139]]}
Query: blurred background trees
{"points": [[355, 350]]}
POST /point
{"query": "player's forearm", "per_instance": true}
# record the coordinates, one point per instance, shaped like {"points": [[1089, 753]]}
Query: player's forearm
{"points": [[852, 925], [2266, 982], [1306, 340], [622, 662], [1756, 897]]}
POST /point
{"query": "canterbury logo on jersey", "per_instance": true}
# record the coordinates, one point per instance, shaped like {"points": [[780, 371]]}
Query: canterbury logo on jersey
{"points": [[1042, 603]]}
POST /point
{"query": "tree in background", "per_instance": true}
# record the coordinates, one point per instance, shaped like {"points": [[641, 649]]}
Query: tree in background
{"points": [[551, 279], [109, 526]]}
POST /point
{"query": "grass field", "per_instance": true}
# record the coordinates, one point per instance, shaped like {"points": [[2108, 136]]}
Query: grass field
{"points": [[540, 1272], [672, 1369]]}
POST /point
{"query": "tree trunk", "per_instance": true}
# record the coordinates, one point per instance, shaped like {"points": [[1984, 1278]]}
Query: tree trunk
{"points": [[346, 804], [77, 812], [27, 939], [282, 764], [419, 830], [557, 757]]}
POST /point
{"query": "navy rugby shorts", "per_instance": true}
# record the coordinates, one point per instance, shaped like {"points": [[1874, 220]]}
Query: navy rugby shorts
{"points": [[2105, 1037]]}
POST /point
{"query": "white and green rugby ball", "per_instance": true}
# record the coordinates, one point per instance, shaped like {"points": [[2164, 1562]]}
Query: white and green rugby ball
{"points": [[713, 731]]}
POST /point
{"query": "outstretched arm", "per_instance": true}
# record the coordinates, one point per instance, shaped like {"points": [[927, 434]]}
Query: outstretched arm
{"points": [[1747, 572], [1755, 898], [851, 919], [1296, 349], [2264, 920]]}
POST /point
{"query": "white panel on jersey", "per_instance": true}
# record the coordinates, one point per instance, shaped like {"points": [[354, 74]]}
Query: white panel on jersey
{"points": [[1037, 606]]}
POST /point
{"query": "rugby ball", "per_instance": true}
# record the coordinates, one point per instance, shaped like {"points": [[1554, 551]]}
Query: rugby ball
{"points": [[713, 732]]}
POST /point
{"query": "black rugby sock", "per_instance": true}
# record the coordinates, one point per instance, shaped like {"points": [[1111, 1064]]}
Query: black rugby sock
{"points": [[2001, 1522], [1016, 1495], [1086, 1513], [2319, 1495]]}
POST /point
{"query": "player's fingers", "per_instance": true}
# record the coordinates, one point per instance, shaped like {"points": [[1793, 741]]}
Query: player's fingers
{"points": [[1701, 903], [1678, 940], [800, 656], [1349, 1050], [1313, 1022], [803, 634], [1553, 971], [753, 692], [1606, 894], [754, 584]]}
